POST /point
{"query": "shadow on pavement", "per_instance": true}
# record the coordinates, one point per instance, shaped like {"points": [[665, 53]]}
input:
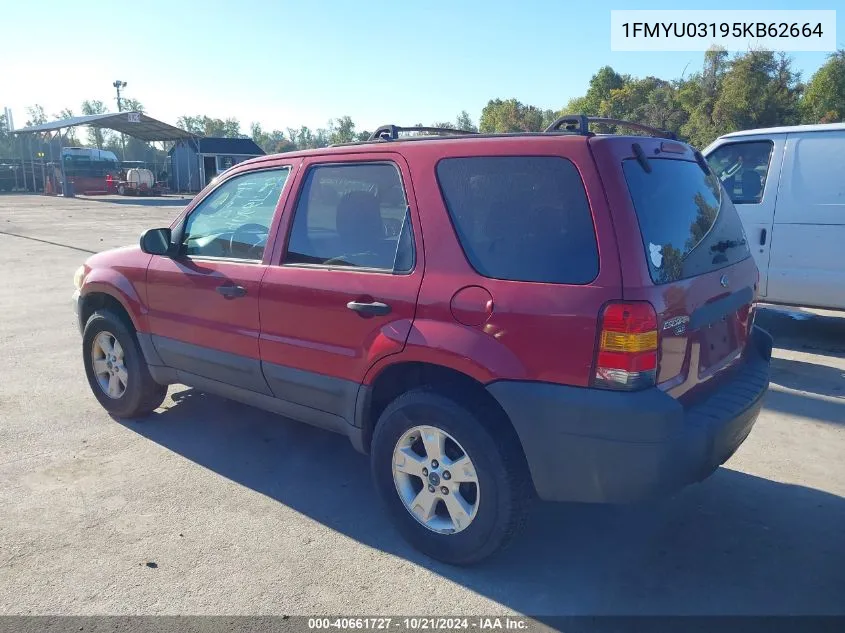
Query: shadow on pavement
{"points": [[819, 379], [735, 544], [141, 202], [802, 331], [806, 405]]}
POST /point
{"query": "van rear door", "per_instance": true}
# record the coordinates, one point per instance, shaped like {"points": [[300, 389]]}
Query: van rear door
{"points": [[687, 254]]}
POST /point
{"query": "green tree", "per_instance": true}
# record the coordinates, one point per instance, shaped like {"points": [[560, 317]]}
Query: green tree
{"points": [[510, 115], [698, 94], [306, 138], [759, 90], [271, 142], [131, 105], [279, 143], [650, 101], [202, 125], [69, 134], [192, 124], [824, 97], [341, 130], [36, 115], [594, 103], [232, 128], [96, 136], [259, 136], [464, 122], [7, 142]]}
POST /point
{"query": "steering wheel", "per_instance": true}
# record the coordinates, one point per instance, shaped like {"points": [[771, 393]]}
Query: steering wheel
{"points": [[247, 237], [731, 171]]}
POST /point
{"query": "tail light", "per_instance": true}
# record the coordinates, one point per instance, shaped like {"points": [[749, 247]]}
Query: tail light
{"points": [[627, 349]]}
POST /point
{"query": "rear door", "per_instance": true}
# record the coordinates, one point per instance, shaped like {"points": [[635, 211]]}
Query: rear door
{"points": [[203, 303], [684, 250], [342, 290], [749, 169], [807, 266]]}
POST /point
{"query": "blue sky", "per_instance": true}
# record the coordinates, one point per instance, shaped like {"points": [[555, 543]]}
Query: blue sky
{"points": [[286, 63]]}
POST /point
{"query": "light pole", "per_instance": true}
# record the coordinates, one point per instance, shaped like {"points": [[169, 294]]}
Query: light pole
{"points": [[118, 84]]}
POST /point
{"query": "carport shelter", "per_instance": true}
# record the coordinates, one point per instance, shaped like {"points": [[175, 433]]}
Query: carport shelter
{"points": [[137, 124], [195, 162]]}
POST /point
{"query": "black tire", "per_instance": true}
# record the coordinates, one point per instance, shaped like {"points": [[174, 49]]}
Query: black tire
{"points": [[503, 481], [142, 394]]}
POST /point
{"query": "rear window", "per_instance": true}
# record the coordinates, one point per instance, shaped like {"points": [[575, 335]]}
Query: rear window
{"points": [[522, 218], [688, 227]]}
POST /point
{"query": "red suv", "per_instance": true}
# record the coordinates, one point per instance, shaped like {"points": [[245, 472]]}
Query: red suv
{"points": [[491, 317]]}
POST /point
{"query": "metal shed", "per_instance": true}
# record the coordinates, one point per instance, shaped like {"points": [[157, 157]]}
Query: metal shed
{"points": [[195, 162]]}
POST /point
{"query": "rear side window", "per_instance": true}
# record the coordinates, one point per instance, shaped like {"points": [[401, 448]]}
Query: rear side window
{"points": [[354, 215], [522, 218], [688, 227]]}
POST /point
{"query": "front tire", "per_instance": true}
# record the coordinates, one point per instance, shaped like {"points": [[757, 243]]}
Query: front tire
{"points": [[455, 488], [116, 369]]}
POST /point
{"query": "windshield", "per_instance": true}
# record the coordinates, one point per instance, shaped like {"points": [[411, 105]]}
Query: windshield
{"points": [[688, 226]]}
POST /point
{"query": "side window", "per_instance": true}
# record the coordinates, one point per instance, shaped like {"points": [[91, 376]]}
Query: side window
{"points": [[742, 168], [353, 215], [524, 218], [233, 220]]}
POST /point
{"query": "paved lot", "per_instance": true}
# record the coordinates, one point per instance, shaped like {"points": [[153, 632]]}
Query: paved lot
{"points": [[242, 512]]}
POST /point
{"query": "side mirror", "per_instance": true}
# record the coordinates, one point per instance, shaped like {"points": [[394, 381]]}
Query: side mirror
{"points": [[157, 242]]}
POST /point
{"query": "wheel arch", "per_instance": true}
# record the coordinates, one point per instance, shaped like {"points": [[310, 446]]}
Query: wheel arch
{"points": [[400, 377], [99, 300]]}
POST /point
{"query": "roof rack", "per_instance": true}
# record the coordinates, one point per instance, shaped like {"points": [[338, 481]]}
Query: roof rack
{"points": [[391, 132], [580, 124]]}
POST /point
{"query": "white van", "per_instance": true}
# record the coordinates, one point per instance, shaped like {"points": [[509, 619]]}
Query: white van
{"points": [[788, 184]]}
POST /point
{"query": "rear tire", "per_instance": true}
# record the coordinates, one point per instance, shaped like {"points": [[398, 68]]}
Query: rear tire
{"points": [[124, 386], [499, 498]]}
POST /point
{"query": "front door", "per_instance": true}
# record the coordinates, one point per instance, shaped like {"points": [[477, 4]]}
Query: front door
{"points": [[749, 171], [203, 303], [343, 292]]}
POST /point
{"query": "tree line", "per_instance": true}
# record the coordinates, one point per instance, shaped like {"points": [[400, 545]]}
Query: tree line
{"points": [[730, 92]]}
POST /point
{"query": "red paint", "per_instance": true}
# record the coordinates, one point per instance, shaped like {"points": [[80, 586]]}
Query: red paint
{"points": [[184, 303], [305, 321], [443, 312], [472, 305], [120, 273]]}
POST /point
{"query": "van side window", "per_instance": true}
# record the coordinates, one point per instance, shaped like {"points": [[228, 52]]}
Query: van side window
{"points": [[742, 168]]}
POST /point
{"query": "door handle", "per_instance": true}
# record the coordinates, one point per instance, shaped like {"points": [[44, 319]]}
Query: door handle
{"points": [[373, 308], [231, 292], [763, 237]]}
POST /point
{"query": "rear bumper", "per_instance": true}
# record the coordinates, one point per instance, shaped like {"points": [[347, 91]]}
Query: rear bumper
{"points": [[591, 445]]}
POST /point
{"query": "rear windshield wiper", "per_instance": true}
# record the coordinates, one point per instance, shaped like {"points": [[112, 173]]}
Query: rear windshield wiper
{"points": [[641, 157], [723, 245]]}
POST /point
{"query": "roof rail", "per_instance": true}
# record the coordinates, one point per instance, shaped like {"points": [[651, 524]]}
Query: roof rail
{"points": [[391, 132], [580, 123]]}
